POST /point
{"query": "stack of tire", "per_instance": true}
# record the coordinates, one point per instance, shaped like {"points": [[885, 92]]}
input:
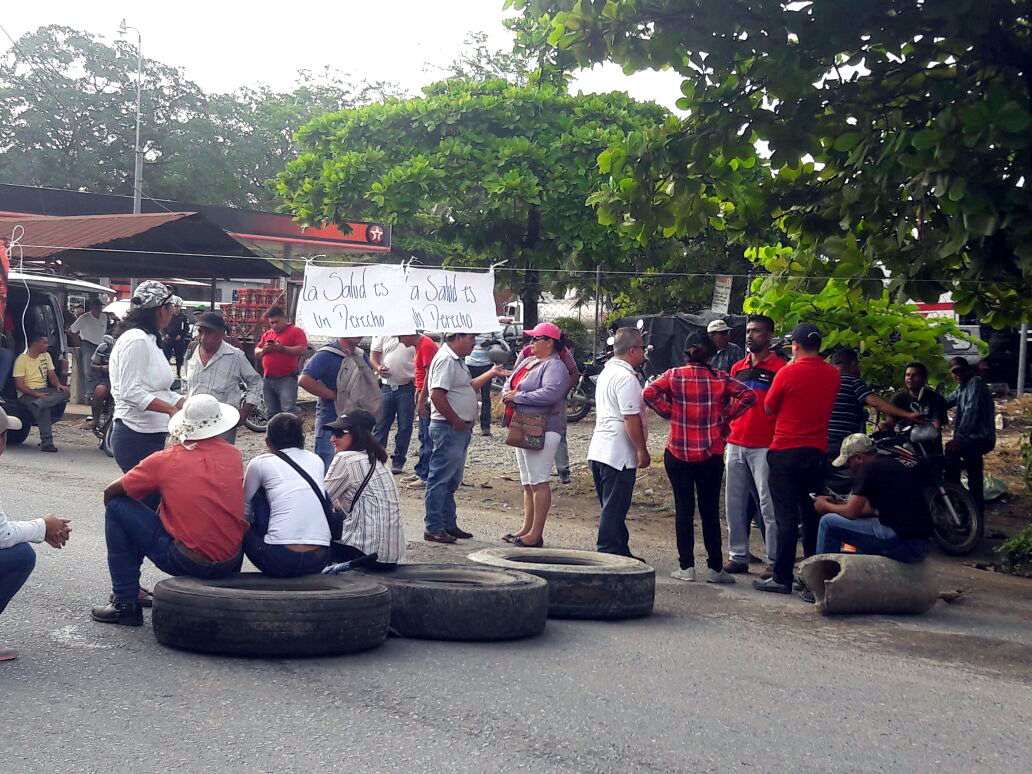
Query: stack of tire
{"points": [[507, 594]]}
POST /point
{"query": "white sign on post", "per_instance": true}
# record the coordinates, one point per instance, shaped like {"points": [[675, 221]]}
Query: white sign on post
{"points": [[355, 301], [722, 294], [449, 301]]}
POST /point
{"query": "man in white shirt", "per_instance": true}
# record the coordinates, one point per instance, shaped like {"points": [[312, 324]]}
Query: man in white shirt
{"points": [[394, 361], [17, 559], [617, 446], [90, 328]]}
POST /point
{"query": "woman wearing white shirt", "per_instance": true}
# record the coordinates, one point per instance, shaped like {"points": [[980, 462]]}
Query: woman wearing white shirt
{"points": [[141, 378], [373, 514], [297, 538]]}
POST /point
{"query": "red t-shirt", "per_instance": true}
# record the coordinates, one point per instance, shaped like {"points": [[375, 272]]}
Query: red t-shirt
{"points": [[425, 351], [801, 398], [277, 364], [202, 495], [755, 428]]}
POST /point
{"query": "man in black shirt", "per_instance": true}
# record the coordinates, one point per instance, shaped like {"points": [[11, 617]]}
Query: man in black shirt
{"points": [[886, 514], [920, 398], [177, 335]]}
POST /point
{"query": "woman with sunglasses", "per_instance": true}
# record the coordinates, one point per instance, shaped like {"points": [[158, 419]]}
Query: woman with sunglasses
{"points": [[539, 383], [362, 486], [141, 377]]}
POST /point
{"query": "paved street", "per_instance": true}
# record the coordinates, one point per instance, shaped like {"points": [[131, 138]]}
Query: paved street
{"points": [[718, 679]]}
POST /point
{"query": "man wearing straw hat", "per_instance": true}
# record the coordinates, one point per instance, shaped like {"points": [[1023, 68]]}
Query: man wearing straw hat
{"points": [[199, 527]]}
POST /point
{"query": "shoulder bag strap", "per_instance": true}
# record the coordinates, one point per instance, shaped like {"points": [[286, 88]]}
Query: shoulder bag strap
{"points": [[365, 482], [327, 506]]}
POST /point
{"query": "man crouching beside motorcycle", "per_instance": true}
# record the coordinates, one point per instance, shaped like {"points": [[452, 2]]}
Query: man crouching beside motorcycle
{"points": [[101, 393], [886, 513]]}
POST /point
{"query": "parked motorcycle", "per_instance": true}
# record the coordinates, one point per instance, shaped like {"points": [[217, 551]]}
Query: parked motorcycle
{"points": [[958, 522], [258, 421], [581, 399], [104, 426]]}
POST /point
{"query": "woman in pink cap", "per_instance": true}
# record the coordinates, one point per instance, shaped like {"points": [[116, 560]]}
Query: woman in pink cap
{"points": [[539, 384]]}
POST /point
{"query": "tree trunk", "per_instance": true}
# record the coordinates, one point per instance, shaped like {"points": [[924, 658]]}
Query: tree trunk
{"points": [[530, 292]]}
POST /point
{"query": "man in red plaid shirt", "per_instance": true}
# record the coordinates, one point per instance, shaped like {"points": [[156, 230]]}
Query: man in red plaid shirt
{"points": [[700, 403]]}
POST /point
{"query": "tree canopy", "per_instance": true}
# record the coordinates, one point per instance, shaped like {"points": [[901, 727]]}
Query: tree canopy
{"points": [[891, 134], [481, 171], [69, 102]]}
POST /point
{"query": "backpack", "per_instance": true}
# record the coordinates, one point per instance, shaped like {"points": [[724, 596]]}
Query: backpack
{"points": [[357, 386]]}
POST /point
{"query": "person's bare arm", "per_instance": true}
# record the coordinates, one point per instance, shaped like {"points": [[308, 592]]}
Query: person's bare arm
{"points": [[440, 400], [636, 432], [856, 507], [483, 379], [113, 490], [55, 382], [422, 404], [316, 388], [882, 405], [19, 382], [297, 350]]}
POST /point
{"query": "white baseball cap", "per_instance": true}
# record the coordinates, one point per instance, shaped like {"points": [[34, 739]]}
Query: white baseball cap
{"points": [[717, 326], [8, 422]]}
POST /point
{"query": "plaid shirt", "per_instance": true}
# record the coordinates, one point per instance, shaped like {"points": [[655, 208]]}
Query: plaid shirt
{"points": [[222, 376], [700, 403]]}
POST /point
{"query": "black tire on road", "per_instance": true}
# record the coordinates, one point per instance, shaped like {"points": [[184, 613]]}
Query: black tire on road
{"points": [[578, 405], [460, 602], [251, 614], [15, 437], [582, 584]]}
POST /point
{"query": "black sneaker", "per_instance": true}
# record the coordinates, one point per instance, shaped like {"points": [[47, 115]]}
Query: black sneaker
{"points": [[564, 477], [772, 585], [807, 596], [461, 534], [124, 613]]}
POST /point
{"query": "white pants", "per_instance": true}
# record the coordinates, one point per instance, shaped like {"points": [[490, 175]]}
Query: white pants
{"points": [[536, 465], [747, 476]]}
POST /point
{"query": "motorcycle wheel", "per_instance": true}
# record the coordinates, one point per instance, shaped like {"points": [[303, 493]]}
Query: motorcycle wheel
{"points": [[258, 422], [964, 536], [578, 404], [105, 442]]}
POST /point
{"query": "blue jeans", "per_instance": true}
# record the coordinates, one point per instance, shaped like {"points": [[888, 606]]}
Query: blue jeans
{"points": [[280, 393], [400, 403], [447, 462], [131, 447], [422, 468], [614, 489], [16, 565], [280, 561], [134, 531], [324, 446], [869, 536]]}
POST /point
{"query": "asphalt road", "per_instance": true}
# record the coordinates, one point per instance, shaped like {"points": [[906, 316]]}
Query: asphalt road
{"points": [[717, 679]]}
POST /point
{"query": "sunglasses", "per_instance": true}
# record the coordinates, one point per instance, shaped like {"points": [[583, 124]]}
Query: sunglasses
{"points": [[341, 433], [542, 338]]}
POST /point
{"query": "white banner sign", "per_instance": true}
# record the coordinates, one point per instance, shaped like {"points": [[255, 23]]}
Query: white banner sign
{"points": [[355, 301], [452, 301], [722, 294]]}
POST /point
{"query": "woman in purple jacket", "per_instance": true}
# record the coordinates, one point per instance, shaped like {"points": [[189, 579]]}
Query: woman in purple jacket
{"points": [[538, 383]]}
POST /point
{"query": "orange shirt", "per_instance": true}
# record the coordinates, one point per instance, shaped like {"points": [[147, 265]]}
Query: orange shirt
{"points": [[202, 495]]}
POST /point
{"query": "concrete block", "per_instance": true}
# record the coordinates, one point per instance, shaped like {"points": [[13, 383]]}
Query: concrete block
{"points": [[858, 583]]}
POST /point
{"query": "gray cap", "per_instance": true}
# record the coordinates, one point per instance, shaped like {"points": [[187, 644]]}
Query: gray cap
{"points": [[151, 294], [857, 443]]}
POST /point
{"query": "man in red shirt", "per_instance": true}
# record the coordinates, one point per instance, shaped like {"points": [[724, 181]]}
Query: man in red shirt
{"points": [[199, 527], [426, 349], [280, 351], [745, 459], [699, 401], [800, 399]]}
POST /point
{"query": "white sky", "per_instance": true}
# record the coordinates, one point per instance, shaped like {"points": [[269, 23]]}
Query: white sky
{"points": [[222, 44]]}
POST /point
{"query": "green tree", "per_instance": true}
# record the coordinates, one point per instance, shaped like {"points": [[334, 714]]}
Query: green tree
{"points": [[897, 132], [484, 171], [69, 102]]}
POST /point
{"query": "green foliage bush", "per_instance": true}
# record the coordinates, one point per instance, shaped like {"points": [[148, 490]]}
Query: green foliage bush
{"points": [[1017, 552], [577, 333]]}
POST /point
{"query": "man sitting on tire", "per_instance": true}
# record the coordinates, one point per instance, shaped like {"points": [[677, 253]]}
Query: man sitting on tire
{"points": [[886, 514], [199, 527]]}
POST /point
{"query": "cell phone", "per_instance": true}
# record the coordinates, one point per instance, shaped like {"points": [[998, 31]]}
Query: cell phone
{"points": [[813, 496]]}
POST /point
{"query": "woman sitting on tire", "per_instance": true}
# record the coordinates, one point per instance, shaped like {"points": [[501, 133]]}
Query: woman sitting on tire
{"points": [[538, 384], [289, 535], [372, 522]]}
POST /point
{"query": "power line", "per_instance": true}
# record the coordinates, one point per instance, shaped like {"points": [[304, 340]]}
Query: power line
{"points": [[591, 272]]}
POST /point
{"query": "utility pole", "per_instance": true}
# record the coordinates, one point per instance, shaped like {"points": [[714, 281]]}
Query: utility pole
{"points": [[138, 170], [1022, 356], [598, 308]]}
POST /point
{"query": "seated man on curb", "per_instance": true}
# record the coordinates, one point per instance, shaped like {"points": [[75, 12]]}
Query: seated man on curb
{"points": [[886, 514], [199, 527], [17, 558], [39, 389]]}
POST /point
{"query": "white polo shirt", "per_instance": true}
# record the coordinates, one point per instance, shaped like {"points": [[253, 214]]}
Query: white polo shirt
{"points": [[449, 372], [90, 328], [617, 395], [399, 359]]}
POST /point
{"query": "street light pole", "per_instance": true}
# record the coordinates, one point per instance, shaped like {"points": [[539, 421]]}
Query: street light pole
{"points": [[138, 170]]}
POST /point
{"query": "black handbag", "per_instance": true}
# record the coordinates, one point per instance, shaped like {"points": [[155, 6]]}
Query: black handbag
{"points": [[334, 518]]}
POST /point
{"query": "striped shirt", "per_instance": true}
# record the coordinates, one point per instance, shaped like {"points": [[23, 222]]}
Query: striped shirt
{"points": [[849, 414], [222, 376], [373, 524]]}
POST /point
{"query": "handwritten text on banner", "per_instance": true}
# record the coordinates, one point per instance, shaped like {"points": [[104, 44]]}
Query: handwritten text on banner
{"points": [[355, 301], [452, 301]]}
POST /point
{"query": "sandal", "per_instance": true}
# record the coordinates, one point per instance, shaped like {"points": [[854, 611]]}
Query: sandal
{"points": [[509, 538], [519, 542]]}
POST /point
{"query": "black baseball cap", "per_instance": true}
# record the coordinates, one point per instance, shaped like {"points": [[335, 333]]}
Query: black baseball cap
{"points": [[808, 335], [211, 321], [356, 419]]}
